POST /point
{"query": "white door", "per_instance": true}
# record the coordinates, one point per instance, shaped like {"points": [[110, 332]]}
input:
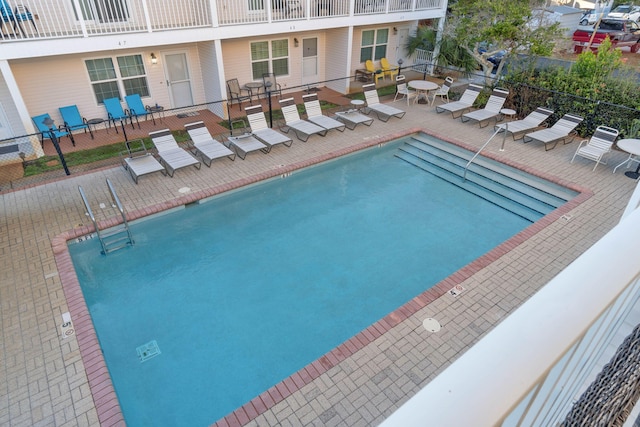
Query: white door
{"points": [[5, 129], [309, 60], [177, 71]]}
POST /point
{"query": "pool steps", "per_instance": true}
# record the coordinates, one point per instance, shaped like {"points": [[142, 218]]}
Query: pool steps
{"points": [[520, 193]]}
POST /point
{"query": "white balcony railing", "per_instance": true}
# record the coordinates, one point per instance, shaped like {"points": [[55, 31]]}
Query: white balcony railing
{"points": [[45, 19], [65, 18]]}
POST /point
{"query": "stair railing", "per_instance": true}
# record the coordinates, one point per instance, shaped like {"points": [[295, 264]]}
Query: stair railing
{"points": [[118, 205], [504, 137], [89, 213]]}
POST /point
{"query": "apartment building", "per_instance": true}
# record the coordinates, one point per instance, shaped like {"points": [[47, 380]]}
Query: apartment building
{"points": [[180, 53]]}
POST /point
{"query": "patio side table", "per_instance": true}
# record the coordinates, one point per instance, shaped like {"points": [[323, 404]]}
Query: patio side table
{"points": [[95, 122], [156, 109], [254, 88]]}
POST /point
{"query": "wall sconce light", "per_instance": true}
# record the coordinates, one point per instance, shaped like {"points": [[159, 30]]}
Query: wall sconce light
{"points": [[295, 42], [395, 30], [154, 59]]}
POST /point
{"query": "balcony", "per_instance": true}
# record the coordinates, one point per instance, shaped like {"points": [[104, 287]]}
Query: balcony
{"points": [[49, 19]]}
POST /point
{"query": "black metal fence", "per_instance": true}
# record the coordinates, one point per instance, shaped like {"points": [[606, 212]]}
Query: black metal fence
{"points": [[525, 98], [20, 167]]}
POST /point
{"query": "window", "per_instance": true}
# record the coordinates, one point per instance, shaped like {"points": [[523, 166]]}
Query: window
{"points": [[109, 82], [374, 44], [270, 57]]}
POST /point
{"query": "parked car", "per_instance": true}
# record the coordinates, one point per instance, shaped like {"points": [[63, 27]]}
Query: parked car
{"points": [[581, 4], [589, 18], [496, 58], [626, 11], [621, 32]]}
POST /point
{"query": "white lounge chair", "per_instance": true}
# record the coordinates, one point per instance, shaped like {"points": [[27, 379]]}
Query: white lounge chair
{"points": [[138, 161], [463, 104], [205, 146], [172, 156], [262, 131], [245, 144], [490, 111], [314, 114], [560, 131], [529, 123], [352, 118], [383, 112], [598, 146], [302, 128]]}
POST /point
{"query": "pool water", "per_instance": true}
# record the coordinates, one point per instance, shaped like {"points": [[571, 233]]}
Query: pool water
{"points": [[243, 290]]}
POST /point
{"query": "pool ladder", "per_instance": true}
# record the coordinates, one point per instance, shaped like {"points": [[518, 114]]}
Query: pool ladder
{"points": [[116, 237]]}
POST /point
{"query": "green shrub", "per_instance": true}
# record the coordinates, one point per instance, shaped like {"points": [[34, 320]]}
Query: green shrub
{"points": [[598, 87]]}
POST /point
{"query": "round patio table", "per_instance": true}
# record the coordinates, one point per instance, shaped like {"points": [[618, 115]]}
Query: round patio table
{"points": [[422, 88], [94, 123], [631, 146], [156, 109], [357, 104], [508, 112], [253, 86]]}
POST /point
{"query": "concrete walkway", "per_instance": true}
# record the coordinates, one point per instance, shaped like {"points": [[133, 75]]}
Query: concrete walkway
{"points": [[50, 380]]}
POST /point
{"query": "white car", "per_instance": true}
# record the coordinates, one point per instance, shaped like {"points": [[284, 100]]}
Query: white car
{"points": [[589, 18], [625, 12]]}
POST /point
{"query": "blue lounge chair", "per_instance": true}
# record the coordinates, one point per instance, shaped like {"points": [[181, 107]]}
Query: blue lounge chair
{"points": [[45, 132], [73, 120], [137, 108], [116, 113], [20, 15]]}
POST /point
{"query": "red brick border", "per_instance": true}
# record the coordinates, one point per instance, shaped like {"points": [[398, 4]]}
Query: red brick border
{"points": [[103, 392]]}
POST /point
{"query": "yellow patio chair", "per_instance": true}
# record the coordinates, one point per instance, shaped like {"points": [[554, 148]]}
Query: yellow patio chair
{"points": [[388, 69], [377, 74]]}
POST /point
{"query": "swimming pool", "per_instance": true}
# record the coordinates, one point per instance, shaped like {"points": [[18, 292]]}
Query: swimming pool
{"points": [[284, 271]]}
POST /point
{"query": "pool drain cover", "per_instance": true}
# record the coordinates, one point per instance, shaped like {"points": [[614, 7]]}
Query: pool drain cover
{"points": [[431, 325], [147, 351]]}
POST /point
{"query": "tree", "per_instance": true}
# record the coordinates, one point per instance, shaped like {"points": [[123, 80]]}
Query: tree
{"points": [[485, 27], [451, 54]]}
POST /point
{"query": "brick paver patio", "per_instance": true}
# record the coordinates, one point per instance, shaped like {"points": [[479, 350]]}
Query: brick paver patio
{"points": [[46, 378]]}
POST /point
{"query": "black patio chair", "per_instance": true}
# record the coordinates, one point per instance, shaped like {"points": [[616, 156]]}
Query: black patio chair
{"points": [[237, 93], [273, 85]]}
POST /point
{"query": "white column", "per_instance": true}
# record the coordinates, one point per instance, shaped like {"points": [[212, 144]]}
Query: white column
{"points": [[18, 101]]}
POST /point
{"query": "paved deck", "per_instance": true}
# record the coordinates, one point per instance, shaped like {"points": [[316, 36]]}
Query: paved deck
{"points": [[50, 380]]}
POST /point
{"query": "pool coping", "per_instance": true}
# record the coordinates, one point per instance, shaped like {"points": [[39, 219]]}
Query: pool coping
{"points": [[102, 389]]}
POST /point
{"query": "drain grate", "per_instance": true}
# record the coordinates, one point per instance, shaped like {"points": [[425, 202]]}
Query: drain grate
{"points": [[148, 350]]}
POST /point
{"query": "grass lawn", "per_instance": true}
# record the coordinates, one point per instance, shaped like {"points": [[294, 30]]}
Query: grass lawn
{"points": [[83, 157]]}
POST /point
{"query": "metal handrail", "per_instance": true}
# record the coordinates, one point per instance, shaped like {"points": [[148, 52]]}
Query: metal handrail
{"points": [[118, 205], [506, 130], [89, 213], [116, 202]]}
